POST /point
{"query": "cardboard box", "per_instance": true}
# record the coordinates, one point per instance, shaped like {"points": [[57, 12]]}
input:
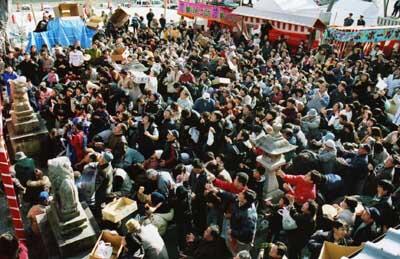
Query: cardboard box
{"points": [[115, 240], [68, 10], [221, 80], [119, 54], [119, 209], [119, 17], [94, 22], [333, 251]]}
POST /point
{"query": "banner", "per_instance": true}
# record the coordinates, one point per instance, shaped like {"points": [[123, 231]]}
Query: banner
{"points": [[216, 13], [363, 36]]}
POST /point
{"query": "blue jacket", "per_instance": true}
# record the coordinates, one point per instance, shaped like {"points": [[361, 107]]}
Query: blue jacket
{"points": [[243, 220], [8, 76], [202, 105]]}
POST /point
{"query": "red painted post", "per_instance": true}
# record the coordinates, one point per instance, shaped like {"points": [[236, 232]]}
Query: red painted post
{"points": [[8, 184]]}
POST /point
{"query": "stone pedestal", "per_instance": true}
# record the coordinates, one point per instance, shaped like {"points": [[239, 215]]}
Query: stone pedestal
{"points": [[73, 236], [78, 246], [271, 187], [26, 130], [274, 146]]}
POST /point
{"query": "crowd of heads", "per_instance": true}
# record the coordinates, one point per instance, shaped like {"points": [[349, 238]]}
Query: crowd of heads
{"points": [[173, 125]]}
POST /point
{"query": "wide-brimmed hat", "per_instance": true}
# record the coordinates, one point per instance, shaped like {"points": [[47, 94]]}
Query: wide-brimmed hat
{"points": [[132, 225]]}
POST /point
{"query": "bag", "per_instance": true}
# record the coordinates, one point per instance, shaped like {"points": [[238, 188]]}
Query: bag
{"points": [[288, 223]]}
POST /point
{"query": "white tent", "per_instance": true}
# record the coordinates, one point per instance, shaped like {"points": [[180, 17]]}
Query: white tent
{"points": [[342, 8], [298, 7]]}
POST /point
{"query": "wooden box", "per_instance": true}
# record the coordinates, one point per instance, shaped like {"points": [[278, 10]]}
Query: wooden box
{"points": [[119, 54], [119, 209], [94, 22], [221, 80], [119, 17], [115, 240], [68, 10]]}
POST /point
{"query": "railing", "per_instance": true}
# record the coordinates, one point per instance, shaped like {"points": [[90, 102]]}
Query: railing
{"points": [[386, 21]]}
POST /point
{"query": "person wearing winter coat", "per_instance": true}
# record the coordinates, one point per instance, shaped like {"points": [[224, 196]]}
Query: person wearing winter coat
{"points": [[163, 179], [183, 214], [104, 179], [337, 235], [153, 245], [210, 246], [158, 212], [305, 221], [301, 187], [346, 211], [319, 98], [310, 124], [122, 183], [243, 221], [366, 227], [204, 104], [327, 156]]}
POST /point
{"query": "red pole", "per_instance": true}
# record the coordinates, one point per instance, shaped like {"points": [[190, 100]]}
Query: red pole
{"points": [[8, 184]]}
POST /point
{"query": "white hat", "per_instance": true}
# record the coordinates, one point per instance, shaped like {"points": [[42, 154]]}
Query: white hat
{"points": [[20, 155], [329, 143], [206, 95]]}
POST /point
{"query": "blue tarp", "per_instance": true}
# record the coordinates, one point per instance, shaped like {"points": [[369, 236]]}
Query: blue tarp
{"points": [[64, 32]]}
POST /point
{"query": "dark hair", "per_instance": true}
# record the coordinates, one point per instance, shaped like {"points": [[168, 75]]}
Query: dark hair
{"points": [[8, 245], [315, 176], [197, 164], [243, 178], [339, 224]]}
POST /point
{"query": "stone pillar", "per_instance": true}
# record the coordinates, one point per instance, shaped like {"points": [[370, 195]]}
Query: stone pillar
{"points": [[26, 129], [271, 164], [274, 146]]}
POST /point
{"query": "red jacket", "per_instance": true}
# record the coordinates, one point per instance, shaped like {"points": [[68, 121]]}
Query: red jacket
{"points": [[229, 187], [303, 191]]}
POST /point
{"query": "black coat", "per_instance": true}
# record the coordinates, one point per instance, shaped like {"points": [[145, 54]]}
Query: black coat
{"points": [[362, 233], [215, 249]]}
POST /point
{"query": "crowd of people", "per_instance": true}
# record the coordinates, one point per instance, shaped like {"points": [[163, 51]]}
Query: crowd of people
{"points": [[180, 138]]}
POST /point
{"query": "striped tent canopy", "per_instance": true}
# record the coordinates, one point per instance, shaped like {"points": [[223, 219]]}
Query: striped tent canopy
{"points": [[280, 21]]}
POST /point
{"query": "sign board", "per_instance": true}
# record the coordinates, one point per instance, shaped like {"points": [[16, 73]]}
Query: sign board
{"points": [[216, 13]]}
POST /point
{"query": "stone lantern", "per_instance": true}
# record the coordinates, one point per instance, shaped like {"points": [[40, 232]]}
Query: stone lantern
{"points": [[274, 146]]}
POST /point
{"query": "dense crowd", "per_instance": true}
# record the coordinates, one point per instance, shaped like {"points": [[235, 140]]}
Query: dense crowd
{"points": [[174, 125]]}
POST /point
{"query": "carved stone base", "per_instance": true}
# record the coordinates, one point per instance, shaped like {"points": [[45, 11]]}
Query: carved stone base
{"points": [[31, 143], [71, 227], [73, 236], [59, 247]]}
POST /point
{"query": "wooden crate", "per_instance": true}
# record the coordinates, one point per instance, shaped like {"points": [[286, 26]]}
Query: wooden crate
{"points": [[119, 54], [115, 240], [119, 17], [94, 22], [119, 209], [68, 10], [221, 80]]}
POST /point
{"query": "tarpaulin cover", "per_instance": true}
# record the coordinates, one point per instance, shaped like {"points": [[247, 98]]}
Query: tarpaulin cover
{"points": [[64, 32]]}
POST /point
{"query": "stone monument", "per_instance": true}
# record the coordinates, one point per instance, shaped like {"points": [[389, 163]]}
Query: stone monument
{"points": [[68, 221], [25, 127], [274, 146]]}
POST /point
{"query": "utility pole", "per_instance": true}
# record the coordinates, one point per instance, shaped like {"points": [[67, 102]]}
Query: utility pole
{"points": [[331, 2]]}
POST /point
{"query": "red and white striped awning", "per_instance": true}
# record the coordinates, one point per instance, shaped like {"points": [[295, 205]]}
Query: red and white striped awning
{"points": [[282, 26]]}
